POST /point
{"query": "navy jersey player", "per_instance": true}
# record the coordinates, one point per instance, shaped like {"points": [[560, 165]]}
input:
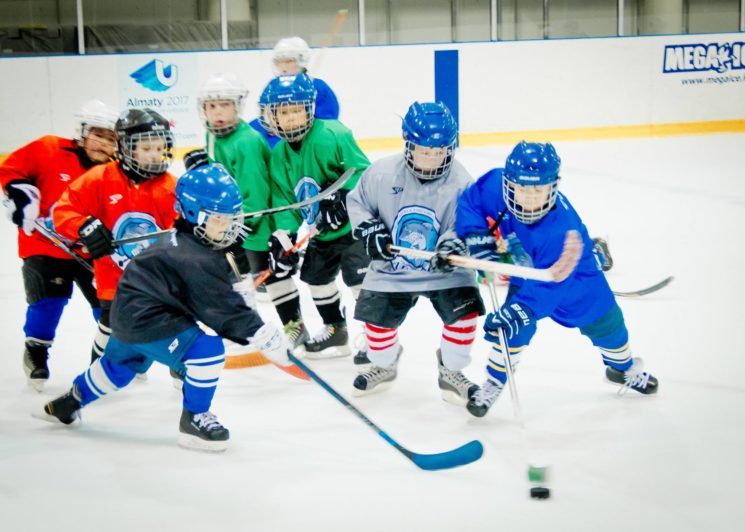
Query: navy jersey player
{"points": [[409, 200], [162, 293], [524, 199]]}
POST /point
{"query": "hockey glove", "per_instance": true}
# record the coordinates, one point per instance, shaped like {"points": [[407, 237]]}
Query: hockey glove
{"points": [[332, 211], [376, 237], [482, 246], [512, 317], [446, 248], [281, 263], [245, 289], [22, 204], [273, 343], [195, 159], [97, 238]]}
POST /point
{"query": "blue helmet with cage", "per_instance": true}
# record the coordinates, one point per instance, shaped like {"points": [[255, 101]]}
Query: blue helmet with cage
{"points": [[208, 199], [291, 101], [264, 116], [530, 180], [430, 133]]}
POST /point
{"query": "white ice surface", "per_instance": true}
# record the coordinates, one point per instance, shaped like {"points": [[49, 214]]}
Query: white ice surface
{"points": [[298, 461]]}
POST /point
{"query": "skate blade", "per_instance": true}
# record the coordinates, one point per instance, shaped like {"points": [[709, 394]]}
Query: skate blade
{"points": [[51, 419], [454, 398], [383, 386], [329, 352], [195, 443]]}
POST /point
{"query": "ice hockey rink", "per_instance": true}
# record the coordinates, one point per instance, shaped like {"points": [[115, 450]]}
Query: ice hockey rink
{"points": [[298, 461]]}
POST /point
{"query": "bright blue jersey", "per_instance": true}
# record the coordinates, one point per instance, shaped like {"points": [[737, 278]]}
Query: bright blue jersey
{"points": [[584, 296], [268, 137], [327, 106]]}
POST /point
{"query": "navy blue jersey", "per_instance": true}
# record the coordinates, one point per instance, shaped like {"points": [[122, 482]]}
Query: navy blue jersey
{"points": [[579, 300], [173, 284]]}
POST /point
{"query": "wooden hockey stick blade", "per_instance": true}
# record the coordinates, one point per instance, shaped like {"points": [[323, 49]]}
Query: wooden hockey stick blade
{"points": [[140, 238], [328, 191], [557, 272], [644, 291], [463, 455]]}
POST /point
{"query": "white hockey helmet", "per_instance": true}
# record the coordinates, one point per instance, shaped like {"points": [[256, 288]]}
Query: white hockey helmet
{"points": [[94, 113], [222, 87], [291, 49]]}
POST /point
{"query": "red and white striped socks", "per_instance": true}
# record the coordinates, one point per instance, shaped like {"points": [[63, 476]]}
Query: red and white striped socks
{"points": [[456, 342], [382, 345]]}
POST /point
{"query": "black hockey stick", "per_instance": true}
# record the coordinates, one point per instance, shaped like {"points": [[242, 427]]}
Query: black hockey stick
{"points": [[463, 455], [325, 193], [644, 291], [57, 241]]}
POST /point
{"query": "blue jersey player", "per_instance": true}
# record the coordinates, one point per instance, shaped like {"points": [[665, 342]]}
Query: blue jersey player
{"points": [[162, 293], [524, 201]]}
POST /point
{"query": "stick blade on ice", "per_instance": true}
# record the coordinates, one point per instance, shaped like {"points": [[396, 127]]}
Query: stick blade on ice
{"points": [[463, 455]]}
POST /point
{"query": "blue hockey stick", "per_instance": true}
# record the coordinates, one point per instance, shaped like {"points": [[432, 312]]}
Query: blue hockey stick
{"points": [[465, 454]]}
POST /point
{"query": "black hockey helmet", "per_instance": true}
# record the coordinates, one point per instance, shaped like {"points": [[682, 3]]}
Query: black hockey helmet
{"points": [[144, 125]]}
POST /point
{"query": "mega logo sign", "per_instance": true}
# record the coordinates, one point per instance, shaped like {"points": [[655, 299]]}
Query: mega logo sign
{"points": [[717, 57]]}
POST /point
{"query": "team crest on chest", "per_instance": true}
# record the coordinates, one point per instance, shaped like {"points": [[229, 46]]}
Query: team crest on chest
{"points": [[132, 224], [415, 227], [307, 188]]}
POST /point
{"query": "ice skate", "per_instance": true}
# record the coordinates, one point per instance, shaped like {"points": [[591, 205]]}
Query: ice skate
{"points": [[35, 366], [375, 379], [297, 336], [484, 398], [634, 378], [202, 432], [601, 248], [456, 388], [65, 409], [331, 342]]}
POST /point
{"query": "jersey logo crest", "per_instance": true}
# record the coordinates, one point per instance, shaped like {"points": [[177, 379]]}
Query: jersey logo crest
{"points": [[132, 224], [397, 190], [65, 178], [305, 189], [415, 227], [114, 199]]}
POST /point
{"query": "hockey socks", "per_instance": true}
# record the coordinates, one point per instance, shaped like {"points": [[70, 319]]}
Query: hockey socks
{"points": [[42, 318], [456, 342], [382, 345]]}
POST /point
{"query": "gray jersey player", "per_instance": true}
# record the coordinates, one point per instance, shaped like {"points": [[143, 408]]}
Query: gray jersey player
{"points": [[409, 200]]}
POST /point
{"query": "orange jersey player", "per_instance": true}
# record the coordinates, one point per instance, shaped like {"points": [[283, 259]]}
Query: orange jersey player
{"points": [[133, 195], [33, 178]]}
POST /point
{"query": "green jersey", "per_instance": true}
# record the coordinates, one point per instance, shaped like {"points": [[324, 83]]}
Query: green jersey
{"points": [[245, 154], [324, 154]]}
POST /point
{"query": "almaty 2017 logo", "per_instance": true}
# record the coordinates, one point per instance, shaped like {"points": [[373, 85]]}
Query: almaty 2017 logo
{"points": [[718, 57], [156, 76]]}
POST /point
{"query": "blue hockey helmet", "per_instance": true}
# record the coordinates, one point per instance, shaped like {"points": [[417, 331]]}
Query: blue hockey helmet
{"points": [[265, 118], [430, 133], [208, 198], [292, 103], [530, 180]]}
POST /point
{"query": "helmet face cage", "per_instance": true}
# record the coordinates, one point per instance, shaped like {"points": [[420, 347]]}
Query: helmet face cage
{"points": [[440, 162], [296, 134], [234, 230], [94, 114], [128, 144], [291, 49], [227, 129], [509, 188]]}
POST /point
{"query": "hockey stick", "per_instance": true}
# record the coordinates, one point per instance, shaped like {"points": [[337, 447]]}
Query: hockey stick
{"points": [[644, 291], [291, 369], [55, 239], [557, 272], [339, 19], [463, 455], [263, 276]]}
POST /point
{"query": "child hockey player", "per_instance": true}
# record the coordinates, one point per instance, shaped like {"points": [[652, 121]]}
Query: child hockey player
{"points": [[523, 198], [409, 200], [33, 178], [158, 301], [130, 196], [311, 155]]}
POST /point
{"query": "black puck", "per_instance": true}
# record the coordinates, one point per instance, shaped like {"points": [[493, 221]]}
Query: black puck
{"points": [[540, 493]]}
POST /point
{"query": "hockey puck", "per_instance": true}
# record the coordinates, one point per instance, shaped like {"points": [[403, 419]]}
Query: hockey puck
{"points": [[540, 493]]}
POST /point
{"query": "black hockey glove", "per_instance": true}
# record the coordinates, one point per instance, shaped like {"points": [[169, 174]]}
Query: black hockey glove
{"points": [[22, 204], [332, 211], [376, 237], [281, 263], [195, 159], [97, 238], [446, 248]]}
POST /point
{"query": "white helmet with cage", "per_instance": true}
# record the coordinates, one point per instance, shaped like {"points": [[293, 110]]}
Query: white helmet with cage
{"points": [[94, 114], [224, 87], [291, 49]]}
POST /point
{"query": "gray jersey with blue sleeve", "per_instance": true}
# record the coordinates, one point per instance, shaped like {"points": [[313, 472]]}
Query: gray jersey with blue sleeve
{"points": [[418, 215]]}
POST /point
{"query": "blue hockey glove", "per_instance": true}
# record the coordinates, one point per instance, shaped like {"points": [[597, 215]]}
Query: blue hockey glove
{"points": [[482, 246], [446, 248], [332, 211], [376, 237], [512, 317]]}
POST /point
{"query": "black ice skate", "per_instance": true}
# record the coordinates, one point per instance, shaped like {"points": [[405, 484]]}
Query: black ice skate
{"points": [[484, 398], [375, 379], [202, 432], [330, 343], [456, 388], [634, 378], [35, 366], [297, 336], [601, 248], [65, 409]]}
